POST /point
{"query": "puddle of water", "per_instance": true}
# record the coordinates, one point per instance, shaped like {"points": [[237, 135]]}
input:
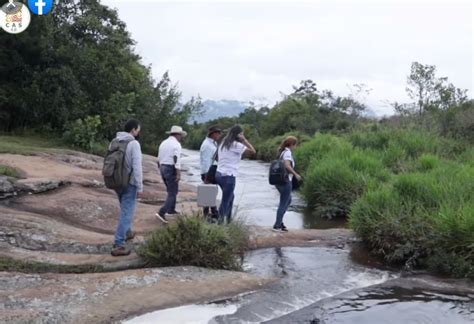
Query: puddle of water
{"points": [[306, 276], [190, 314]]}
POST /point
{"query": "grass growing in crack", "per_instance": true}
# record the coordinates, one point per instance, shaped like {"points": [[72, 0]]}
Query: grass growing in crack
{"points": [[194, 242], [9, 171], [9, 264]]}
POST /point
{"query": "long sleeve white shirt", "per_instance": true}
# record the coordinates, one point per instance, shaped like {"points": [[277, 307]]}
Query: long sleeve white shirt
{"points": [[207, 152]]}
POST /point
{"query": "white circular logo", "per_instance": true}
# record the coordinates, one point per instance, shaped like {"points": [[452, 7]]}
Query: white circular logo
{"points": [[15, 17]]}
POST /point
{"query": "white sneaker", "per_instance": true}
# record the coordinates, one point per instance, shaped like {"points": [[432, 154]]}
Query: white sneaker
{"points": [[161, 218]]}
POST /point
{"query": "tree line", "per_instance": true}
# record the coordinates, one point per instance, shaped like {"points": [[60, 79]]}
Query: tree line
{"points": [[75, 73]]}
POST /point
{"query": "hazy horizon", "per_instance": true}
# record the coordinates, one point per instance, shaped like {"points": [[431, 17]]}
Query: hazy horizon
{"points": [[254, 51]]}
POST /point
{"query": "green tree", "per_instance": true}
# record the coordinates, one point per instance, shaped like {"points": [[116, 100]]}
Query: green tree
{"points": [[430, 92]]}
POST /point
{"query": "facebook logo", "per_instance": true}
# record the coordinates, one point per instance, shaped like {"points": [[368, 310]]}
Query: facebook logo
{"points": [[40, 7]]}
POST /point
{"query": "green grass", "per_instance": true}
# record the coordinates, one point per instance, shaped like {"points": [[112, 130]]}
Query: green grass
{"points": [[333, 183], [409, 194], [28, 145], [192, 241], [267, 150], [422, 219], [9, 171], [9, 264]]}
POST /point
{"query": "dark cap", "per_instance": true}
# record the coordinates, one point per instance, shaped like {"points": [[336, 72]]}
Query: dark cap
{"points": [[214, 129]]}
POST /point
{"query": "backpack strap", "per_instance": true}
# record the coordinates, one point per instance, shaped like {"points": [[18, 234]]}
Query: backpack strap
{"points": [[281, 155]]}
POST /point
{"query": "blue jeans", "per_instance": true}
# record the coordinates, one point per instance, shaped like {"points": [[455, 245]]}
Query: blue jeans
{"points": [[168, 173], [285, 201], [128, 200], [227, 184]]}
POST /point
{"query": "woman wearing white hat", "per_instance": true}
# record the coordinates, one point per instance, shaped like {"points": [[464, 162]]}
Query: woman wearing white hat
{"points": [[169, 163]]}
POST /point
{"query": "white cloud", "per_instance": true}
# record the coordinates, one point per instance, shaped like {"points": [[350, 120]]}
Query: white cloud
{"points": [[242, 50]]}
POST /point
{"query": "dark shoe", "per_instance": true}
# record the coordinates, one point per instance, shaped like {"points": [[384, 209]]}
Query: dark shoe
{"points": [[130, 235], [276, 229], [120, 251], [162, 218], [283, 228]]}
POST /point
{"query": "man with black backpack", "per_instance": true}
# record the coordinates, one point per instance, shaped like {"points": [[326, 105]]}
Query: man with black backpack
{"points": [[123, 172]]}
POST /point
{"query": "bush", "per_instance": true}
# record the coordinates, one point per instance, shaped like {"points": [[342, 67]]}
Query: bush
{"points": [[82, 133], [422, 219], [192, 241]]}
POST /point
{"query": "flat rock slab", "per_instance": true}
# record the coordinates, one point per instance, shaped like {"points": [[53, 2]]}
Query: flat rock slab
{"points": [[417, 299], [113, 296], [263, 237]]}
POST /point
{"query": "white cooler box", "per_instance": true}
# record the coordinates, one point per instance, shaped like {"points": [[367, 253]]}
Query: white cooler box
{"points": [[207, 195]]}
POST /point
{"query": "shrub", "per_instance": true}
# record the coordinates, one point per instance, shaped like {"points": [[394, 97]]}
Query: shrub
{"points": [[82, 133], [422, 219], [192, 241]]}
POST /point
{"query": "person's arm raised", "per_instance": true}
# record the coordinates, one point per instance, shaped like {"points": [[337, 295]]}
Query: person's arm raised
{"points": [[250, 148]]}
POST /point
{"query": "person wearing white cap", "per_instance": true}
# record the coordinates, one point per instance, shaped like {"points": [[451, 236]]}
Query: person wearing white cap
{"points": [[169, 164]]}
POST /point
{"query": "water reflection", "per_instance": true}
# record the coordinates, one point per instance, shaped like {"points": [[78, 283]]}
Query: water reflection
{"points": [[388, 305]]}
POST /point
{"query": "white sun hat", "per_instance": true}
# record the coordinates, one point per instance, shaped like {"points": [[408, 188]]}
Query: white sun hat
{"points": [[177, 130]]}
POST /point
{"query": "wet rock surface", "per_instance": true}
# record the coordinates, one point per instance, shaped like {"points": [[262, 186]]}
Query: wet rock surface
{"points": [[418, 299], [61, 214], [6, 187], [109, 297]]}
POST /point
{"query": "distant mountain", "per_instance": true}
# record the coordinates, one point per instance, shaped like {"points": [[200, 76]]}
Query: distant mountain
{"points": [[369, 113], [213, 109]]}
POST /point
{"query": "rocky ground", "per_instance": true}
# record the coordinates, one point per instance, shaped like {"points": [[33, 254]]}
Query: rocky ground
{"points": [[59, 213]]}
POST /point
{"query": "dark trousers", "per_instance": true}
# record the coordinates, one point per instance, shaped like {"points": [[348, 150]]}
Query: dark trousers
{"points": [[168, 173], [214, 212]]}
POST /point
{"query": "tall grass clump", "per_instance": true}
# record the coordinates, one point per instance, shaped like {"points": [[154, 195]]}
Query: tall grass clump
{"points": [[318, 148], [192, 241], [334, 182], [400, 148], [422, 219]]}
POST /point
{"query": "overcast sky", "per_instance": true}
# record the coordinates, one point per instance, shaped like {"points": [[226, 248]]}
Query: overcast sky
{"points": [[256, 50]]}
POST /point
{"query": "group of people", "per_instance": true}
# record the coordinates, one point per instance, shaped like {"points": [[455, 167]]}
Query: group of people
{"points": [[224, 153]]}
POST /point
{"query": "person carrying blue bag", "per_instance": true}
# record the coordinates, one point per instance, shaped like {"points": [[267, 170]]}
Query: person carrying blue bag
{"points": [[284, 177]]}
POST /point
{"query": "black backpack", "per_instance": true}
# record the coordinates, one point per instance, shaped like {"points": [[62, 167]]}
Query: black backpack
{"points": [[278, 173], [115, 171]]}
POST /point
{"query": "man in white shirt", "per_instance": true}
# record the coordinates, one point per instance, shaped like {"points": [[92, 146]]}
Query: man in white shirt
{"points": [[169, 163], [207, 158]]}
